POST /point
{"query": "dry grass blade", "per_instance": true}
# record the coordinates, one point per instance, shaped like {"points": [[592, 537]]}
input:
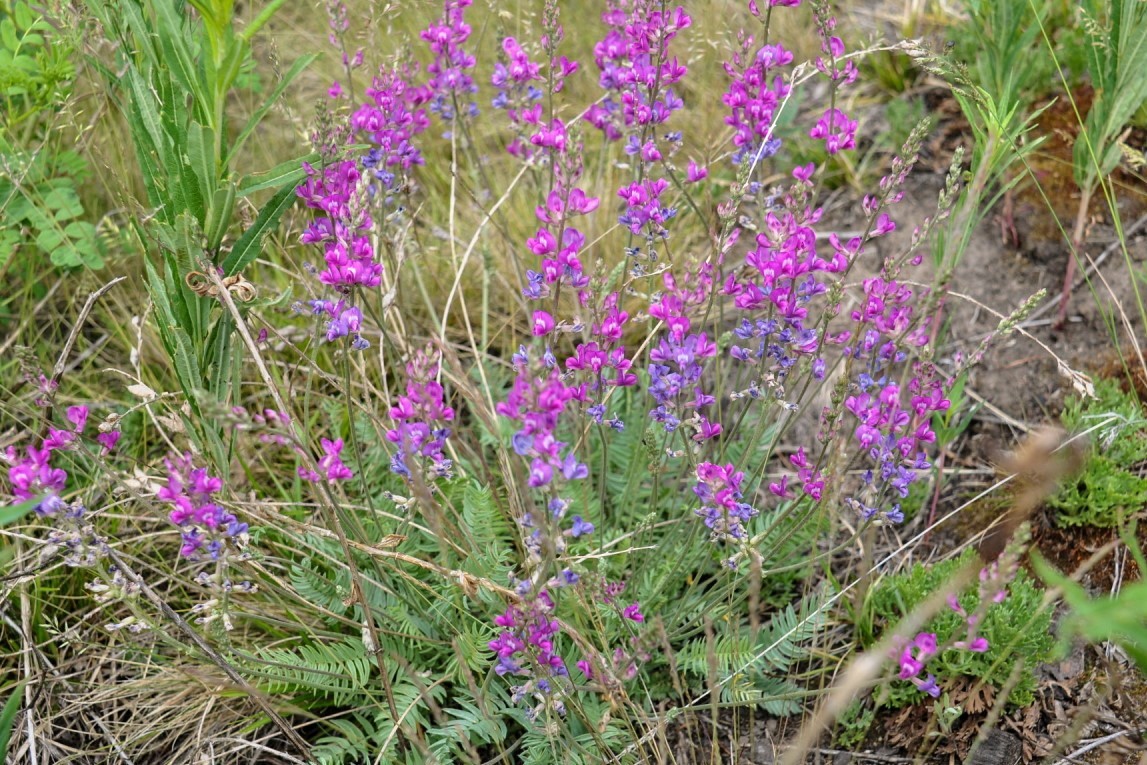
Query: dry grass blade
{"points": [[214, 656]]}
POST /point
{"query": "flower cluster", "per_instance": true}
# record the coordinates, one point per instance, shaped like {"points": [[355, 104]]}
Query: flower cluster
{"points": [[836, 130], [912, 658], [994, 581], [450, 81], [552, 35], [389, 122], [645, 214], [526, 649], [755, 94], [783, 267], [624, 662], [676, 363], [638, 74], [892, 436], [557, 242], [75, 535], [719, 489], [342, 231], [205, 526], [601, 363], [538, 404], [331, 463], [785, 275], [421, 416], [810, 479], [33, 475], [513, 77], [537, 401], [834, 127]]}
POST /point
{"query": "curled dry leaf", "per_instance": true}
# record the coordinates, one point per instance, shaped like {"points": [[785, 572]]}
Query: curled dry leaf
{"points": [[142, 392]]}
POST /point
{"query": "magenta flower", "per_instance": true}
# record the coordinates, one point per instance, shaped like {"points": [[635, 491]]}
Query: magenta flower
{"points": [[543, 323], [836, 130], [78, 416], [33, 476], [450, 81], [205, 526], [421, 418], [637, 71], [331, 463], [526, 649], [719, 489], [755, 93], [108, 441]]}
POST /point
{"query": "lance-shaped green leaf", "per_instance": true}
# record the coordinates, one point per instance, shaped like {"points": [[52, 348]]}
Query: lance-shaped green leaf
{"points": [[251, 243]]}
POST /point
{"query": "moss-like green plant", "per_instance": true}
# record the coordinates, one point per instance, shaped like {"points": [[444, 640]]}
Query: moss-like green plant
{"points": [[1111, 484], [1018, 629]]}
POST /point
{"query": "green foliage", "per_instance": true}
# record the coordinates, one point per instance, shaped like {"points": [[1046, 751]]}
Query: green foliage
{"points": [[334, 672], [902, 114], [371, 731], [9, 515], [39, 177], [178, 70], [8, 715], [385, 651], [34, 67], [1001, 125], [1000, 42], [1117, 53], [1120, 619], [1111, 485], [1018, 629], [43, 209], [854, 723], [755, 671]]}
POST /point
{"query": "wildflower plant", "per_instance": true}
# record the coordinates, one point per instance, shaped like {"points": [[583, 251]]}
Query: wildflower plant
{"points": [[979, 636], [502, 542]]}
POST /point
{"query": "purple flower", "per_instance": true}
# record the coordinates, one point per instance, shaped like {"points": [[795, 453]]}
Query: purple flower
{"points": [[422, 419], [108, 441], [331, 463], [205, 525], [33, 476], [836, 130], [928, 686], [526, 650], [755, 93], [719, 489], [580, 527], [543, 323], [78, 416], [450, 80], [541, 473], [636, 70]]}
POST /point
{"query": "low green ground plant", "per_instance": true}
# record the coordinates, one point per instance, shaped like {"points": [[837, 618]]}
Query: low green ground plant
{"points": [[1017, 631], [1111, 488]]}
